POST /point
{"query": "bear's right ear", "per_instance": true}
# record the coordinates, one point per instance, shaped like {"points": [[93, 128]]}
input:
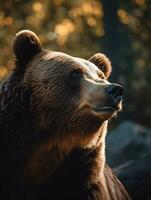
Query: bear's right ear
{"points": [[102, 62], [26, 45]]}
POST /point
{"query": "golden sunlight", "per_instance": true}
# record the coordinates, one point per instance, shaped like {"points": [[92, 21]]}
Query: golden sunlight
{"points": [[63, 30]]}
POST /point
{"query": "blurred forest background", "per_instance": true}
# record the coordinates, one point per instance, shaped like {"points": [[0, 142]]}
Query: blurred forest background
{"points": [[121, 29]]}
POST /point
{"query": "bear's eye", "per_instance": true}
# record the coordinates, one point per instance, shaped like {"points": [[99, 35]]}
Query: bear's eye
{"points": [[76, 73], [101, 76]]}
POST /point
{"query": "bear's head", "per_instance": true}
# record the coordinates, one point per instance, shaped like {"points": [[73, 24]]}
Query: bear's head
{"points": [[69, 95]]}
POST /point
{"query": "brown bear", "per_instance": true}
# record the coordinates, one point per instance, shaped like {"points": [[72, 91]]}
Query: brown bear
{"points": [[54, 111]]}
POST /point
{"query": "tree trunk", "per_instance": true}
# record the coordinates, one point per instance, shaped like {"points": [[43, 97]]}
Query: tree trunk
{"points": [[111, 40]]}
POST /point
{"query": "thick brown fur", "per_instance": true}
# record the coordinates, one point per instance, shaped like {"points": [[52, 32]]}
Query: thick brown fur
{"points": [[52, 136]]}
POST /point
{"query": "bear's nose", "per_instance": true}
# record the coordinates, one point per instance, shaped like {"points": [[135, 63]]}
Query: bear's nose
{"points": [[115, 91]]}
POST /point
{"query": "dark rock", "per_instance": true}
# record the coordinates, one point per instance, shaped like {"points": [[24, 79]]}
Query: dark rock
{"points": [[128, 141], [136, 177]]}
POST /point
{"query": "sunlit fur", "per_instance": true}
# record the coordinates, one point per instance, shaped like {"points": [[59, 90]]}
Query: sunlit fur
{"points": [[103, 63]]}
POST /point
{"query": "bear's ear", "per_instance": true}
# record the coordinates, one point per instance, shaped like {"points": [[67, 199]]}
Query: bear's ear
{"points": [[26, 45], [102, 62]]}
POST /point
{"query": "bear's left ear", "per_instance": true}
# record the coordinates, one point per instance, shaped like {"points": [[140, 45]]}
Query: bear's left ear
{"points": [[102, 62], [26, 45]]}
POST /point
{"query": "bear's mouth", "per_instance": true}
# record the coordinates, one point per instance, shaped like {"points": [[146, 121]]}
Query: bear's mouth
{"points": [[107, 108]]}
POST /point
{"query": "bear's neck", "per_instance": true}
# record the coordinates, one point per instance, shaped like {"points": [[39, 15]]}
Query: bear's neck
{"points": [[54, 155]]}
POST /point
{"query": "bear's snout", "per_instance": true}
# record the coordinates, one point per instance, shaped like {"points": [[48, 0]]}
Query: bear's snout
{"points": [[115, 92]]}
